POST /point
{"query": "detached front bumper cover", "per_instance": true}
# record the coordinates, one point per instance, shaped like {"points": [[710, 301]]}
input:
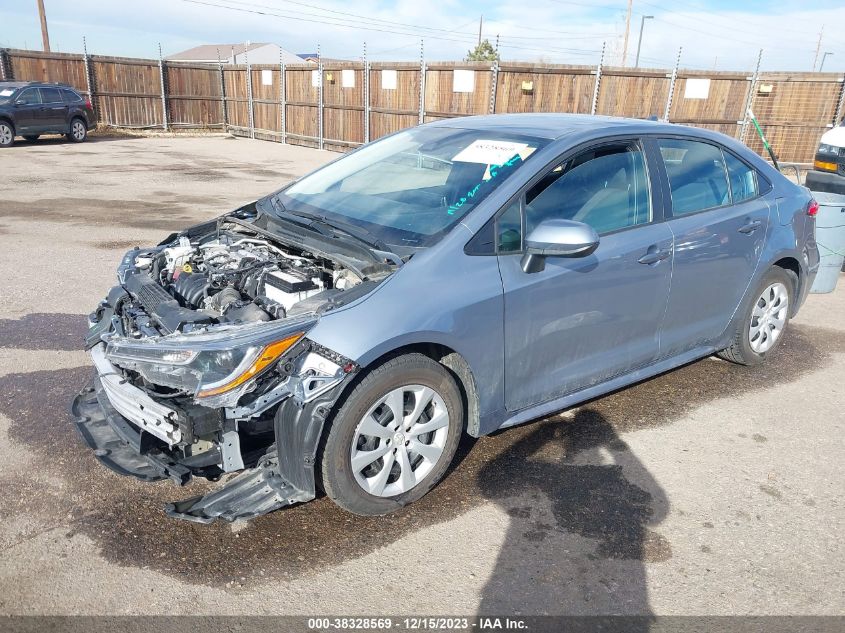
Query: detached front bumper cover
{"points": [[253, 492]]}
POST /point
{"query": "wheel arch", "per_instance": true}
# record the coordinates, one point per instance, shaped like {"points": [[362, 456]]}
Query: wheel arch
{"points": [[792, 264], [456, 365], [6, 119]]}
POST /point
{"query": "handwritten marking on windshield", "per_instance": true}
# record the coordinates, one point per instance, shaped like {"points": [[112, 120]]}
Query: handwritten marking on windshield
{"points": [[494, 171]]}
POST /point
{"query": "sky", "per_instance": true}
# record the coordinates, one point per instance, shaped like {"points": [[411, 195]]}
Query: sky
{"points": [[714, 34]]}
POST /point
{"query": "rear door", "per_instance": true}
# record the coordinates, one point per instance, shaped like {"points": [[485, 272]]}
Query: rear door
{"points": [[28, 111], [584, 320], [53, 112], [719, 221]]}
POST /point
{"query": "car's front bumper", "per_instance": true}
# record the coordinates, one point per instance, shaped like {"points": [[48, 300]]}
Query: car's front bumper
{"points": [[133, 434]]}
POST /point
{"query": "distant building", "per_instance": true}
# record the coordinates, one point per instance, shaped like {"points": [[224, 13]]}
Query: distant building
{"points": [[314, 58], [258, 53]]}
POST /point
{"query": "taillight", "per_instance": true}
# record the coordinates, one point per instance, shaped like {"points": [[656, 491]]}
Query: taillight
{"points": [[88, 104], [813, 208]]}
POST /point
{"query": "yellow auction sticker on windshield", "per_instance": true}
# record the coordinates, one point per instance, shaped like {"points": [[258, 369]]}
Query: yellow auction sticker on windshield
{"points": [[486, 152]]}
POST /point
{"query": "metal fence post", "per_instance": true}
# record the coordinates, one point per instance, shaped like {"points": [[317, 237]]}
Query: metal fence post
{"points": [[598, 80], [366, 96], [320, 144], [224, 109], [89, 78], [161, 71], [672, 85], [421, 117], [837, 117], [5, 66], [249, 93], [283, 99], [493, 83], [749, 98]]}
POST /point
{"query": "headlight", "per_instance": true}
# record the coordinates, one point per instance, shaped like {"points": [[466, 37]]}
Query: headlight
{"points": [[828, 149], [216, 367]]}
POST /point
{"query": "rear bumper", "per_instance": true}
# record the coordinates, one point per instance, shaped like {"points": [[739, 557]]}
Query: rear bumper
{"points": [[824, 181]]}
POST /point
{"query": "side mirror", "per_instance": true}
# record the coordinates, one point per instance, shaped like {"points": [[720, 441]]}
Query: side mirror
{"points": [[557, 238]]}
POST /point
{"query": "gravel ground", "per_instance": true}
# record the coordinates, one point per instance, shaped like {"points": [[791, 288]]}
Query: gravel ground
{"points": [[714, 489]]}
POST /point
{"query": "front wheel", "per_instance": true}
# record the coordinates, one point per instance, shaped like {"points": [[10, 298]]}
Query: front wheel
{"points": [[7, 134], [78, 131], [394, 437], [766, 318]]}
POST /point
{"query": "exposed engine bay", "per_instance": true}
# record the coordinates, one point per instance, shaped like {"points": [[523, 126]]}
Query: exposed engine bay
{"points": [[203, 344], [230, 277]]}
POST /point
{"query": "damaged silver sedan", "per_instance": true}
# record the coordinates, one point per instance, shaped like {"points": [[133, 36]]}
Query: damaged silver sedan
{"points": [[343, 333]]}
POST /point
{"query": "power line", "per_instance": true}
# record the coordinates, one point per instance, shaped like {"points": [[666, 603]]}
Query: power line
{"points": [[356, 24], [698, 19]]}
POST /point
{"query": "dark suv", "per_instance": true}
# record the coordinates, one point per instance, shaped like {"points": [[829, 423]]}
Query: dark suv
{"points": [[30, 109]]}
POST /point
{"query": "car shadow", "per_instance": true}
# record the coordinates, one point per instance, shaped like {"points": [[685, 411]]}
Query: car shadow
{"points": [[580, 516], [58, 139]]}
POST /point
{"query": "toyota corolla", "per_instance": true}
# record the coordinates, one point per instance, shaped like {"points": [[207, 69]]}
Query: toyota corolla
{"points": [[344, 332]]}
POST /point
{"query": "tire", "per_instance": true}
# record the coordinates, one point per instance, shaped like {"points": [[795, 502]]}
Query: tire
{"points": [[78, 131], [399, 475], [7, 134], [771, 302], [31, 137]]}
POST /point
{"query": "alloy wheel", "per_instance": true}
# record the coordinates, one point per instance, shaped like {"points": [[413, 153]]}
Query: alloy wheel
{"points": [[5, 134], [399, 440], [768, 318], [78, 130]]}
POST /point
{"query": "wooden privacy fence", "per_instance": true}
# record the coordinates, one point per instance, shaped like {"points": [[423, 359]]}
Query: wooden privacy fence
{"points": [[339, 105]]}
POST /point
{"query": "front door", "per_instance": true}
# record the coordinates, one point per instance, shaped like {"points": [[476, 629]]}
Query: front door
{"points": [[583, 320], [719, 223], [28, 112]]}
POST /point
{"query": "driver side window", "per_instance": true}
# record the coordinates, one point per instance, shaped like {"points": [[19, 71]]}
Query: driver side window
{"points": [[605, 187], [29, 97]]}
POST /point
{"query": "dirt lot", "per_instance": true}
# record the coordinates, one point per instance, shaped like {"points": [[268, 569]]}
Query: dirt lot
{"points": [[711, 490]]}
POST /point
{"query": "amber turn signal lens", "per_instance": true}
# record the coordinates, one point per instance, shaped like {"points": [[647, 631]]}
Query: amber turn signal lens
{"points": [[825, 166], [265, 358]]}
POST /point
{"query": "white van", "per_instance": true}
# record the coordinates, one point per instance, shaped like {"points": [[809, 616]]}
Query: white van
{"points": [[828, 173]]}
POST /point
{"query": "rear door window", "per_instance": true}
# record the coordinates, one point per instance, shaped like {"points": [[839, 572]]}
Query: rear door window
{"points": [[69, 96], [29, 96], [697, 175], [743, 179], [51, 95]]}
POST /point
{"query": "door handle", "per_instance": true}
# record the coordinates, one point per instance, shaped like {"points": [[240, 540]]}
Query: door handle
{"points": [[750, 226], [654, 257]]}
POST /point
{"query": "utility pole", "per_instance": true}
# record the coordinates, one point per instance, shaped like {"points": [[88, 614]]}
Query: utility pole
{"points": [[818, 48], [45, 38], [627, 31], [640, 42], [480, 24]]}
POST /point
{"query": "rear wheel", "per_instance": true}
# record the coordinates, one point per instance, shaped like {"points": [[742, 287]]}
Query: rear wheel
{"points": [[31, 137], [766, 318], [78, 131], [394, 437], [7, 134]]}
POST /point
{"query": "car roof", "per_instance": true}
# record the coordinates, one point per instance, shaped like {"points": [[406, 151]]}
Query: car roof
{"points": [[37, 84], [556, 125]]}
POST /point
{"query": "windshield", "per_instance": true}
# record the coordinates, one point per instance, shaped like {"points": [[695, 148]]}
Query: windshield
{"points": [[6, 94], [411, 188]]}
